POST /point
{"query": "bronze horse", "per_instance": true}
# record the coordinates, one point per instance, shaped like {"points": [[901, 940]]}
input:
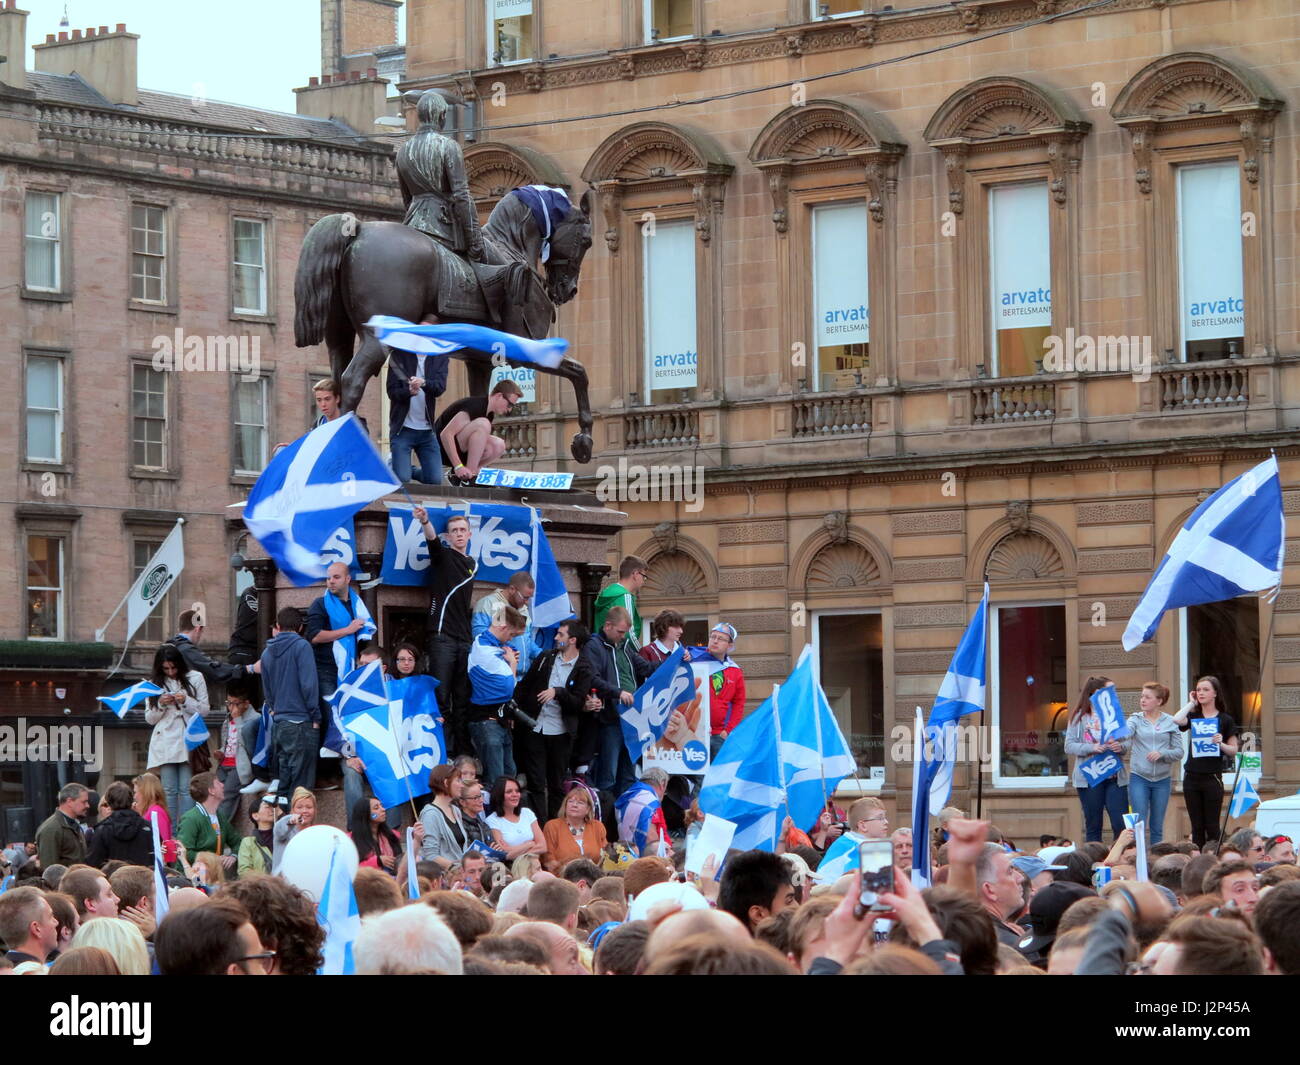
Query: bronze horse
{"points": [[349, 271]]}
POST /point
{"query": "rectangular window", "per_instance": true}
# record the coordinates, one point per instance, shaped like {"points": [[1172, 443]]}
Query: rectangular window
{"points": [[148, 418], [44, 409], [250, 266], [850, 663], [152, 631], [841, 325], [44, 588], [1222, 640], [510, 30], [1211, 293], [1029, 694], [1020, 271], [148, 254], [42, 236], [669, 20], [835, 8], [250, 426], [668, 261]]}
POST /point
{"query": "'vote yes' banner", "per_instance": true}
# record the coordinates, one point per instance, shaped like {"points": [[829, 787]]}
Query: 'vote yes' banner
{"points": [[670, 686], [1100, 767], [1111, 715]]}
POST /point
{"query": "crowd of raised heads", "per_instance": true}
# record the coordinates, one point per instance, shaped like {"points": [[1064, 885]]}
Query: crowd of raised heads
{"points": [[994, 908]]}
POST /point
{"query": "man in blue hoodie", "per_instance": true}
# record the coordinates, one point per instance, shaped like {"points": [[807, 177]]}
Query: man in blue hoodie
{"points": [[289, 683], [493, 670]]}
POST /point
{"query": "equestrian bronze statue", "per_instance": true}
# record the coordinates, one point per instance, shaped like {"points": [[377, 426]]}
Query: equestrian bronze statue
{"points": [[440, 266]]}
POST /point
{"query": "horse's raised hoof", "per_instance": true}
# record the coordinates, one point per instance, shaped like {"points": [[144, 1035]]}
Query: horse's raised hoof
{"points": [[581, 447]]}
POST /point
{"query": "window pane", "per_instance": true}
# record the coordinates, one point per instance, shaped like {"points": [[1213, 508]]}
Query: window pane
{"points": [[669, 265], [43, 383], [836, 7], [1021, 272], [44, 586], [42, 436], [850, 648], [841, 323], [41, 254], [248, 288], [248, 448], [1032, 690], [248, 399], [1213, 306], [248, 242], [512, 30], [672, 18], [41, 259], [42, 215]]}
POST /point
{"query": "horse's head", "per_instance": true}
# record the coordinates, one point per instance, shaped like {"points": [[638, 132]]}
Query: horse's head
{"points": [[569, 243]]}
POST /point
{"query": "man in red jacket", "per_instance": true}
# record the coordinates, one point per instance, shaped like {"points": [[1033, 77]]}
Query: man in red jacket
{"points": [[727, 687]]}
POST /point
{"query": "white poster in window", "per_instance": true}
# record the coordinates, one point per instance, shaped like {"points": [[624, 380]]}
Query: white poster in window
{"points": [[669, 261], [1209, 251], [523, 376], [840, 275], [502, 9], [1020, 256]]}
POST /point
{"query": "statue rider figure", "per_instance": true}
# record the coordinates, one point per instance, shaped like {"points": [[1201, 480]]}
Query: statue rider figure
{"points": [[431, 172]]}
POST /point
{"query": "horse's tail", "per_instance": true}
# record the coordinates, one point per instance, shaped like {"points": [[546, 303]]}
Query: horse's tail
{"points": [[316, 283]]}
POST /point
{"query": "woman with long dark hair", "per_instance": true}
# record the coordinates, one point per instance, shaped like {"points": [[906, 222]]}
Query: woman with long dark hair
{"points": [[1083, 739], [515, 828], [185, 693], [1203, 770], [377, 845]]}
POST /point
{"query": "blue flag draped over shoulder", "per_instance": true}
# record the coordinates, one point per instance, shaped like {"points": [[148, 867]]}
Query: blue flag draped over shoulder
{"points": [[454, 336], [310, 489], [1232, 544], [646, 719]]}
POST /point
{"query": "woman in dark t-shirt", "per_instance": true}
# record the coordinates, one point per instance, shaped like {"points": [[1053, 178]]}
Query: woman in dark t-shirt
{"points": [[1203, 773]]}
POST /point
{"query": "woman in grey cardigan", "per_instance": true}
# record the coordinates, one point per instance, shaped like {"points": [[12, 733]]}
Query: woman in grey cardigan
{"points": [[1083, 740], [1156, 748], [444, 829]]}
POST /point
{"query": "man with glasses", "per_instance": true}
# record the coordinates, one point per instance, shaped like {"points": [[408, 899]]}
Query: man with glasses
{"points": [[465, 431], [215, 939], [866, 820], [1248, 843]]}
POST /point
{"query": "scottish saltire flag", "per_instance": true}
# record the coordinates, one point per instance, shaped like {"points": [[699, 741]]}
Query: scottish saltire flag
{"points": [[548, 206], [644, 721], [423, 743], [743, 783], [960, 693], [841, 857], [454, 336], [196, 733], [129, 697], [160, 903], [412, 879], [815, 756], [397, 737], [311, 488], [1114, 725], [262, 748], [551, 599], [338, 915], [344, 650], [1232, 544], [635, 808], [1100, 768], [1244, 796]]}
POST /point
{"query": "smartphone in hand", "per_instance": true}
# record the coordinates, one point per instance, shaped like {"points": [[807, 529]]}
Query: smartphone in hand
{"points": [[876, 861]]}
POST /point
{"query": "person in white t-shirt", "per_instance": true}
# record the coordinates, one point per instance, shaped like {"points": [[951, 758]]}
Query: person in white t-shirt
{"points": [[414, 384], [515, 828]]}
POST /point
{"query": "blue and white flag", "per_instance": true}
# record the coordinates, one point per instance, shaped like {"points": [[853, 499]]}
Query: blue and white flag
{"points": [[397, 737], [1244, 796], [196, 733], [262, 748], [412, 879], [504, 540], [344, 650], [644, 721], [451, 337], [424, 745], [635, 809], [338, 914], [489, 853], [310, 489], [1114, 725], [1100, 768], [841, 857], [129, 697], [743, 782], [961, 693], [160, 904], [1232, 544]]}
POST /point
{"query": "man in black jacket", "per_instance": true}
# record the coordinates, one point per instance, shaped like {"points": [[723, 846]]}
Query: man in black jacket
{"points": [[187, 642], [414, 384], [555, 690], [616, 673], [123, 835]]}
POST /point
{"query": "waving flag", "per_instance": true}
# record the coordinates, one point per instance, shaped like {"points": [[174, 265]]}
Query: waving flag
{"points": [[344, 650], [1244, 796], [841, 857], [453, 336], [814, 753], [412, 879], [160, 905], [129, 697], [311, 488], [423, 745], [1232, 544], [960, 693], [338, 914], [1114, 725], [262, 748], [551, 600], [645, 720], [743, 783], [196, 733]]}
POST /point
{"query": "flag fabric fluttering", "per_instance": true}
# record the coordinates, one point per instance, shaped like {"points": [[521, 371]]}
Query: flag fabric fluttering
{"points": [[344, 650], [310, 489], [1233, 543], [196, 733], [338, 914], [262, 747], [159, 871], [445, 338], [1244, 796], [129, 697], [635, 808], [412, 881], [962, 692]]}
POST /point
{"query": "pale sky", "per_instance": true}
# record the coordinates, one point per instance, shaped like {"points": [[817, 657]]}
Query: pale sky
{"points": [[252, 52]]}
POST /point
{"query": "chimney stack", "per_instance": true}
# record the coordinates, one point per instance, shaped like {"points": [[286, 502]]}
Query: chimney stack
{"points": [[354, 98], [105, 61], [13, 45]]}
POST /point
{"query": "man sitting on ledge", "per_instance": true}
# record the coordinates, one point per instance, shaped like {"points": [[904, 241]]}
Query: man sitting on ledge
{"points": [[465, 431]]}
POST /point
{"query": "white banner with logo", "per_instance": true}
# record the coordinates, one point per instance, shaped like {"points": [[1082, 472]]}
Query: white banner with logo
{"points": [[841, 313], [670, 349], [154, 580], [1209, 252], [502, 9], [1020, 256], [524, 376]]}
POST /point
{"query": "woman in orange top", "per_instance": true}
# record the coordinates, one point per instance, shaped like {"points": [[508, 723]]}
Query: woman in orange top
{"points": [[575, 834]]}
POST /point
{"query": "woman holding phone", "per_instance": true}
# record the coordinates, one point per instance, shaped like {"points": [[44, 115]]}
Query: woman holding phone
{"points": [[1203, 770], [1083, 739]]}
